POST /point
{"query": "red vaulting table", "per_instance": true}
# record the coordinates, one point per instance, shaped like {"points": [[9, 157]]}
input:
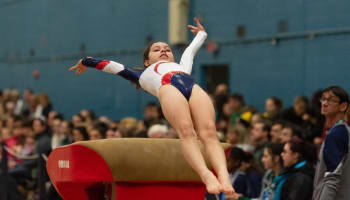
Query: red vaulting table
{"points": [[125, 169]]}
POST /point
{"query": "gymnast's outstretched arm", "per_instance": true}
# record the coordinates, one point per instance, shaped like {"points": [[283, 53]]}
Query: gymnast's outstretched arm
{"points": [[188, 55], [109, 67]]}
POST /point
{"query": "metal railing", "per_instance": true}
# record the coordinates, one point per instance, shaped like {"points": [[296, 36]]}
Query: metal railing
{"points": [[5, 177]]}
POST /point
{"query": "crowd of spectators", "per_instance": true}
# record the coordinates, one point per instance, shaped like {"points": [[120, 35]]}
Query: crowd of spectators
{"points": [[31, 128]]}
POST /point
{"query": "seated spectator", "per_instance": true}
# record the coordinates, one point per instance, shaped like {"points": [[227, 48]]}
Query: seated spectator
{"points": [[113, 133], [66, 131], [157, 131], [57, 136], [77, 120], [97, 134], [297, 112], [236, 102], [220, 97], [88, 116], [272, 179], [259, 138], [276, 131], [152, 114], [45, 103], [273, 163], [50, 118], [257, 117], [254, 175], [15, 97], [273, 108], [80, 134], [128, 127], [105, 120], [29, 145], [223, 121], [299, 158], [42, 137], [238, 178], [289, 132], [238, 136]]}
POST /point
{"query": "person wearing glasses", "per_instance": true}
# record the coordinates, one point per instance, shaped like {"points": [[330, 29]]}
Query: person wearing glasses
{"points": [[332, 178]]}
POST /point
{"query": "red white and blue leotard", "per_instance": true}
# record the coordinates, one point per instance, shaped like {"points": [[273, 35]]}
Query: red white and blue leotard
{"points": [[159, 73]]}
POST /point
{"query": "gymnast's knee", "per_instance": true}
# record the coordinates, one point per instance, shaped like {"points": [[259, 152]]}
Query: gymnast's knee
{"points": [[208, 134], [186, 131]]}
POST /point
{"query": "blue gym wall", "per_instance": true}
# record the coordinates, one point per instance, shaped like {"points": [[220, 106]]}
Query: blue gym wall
{"points": [[50, 36]]}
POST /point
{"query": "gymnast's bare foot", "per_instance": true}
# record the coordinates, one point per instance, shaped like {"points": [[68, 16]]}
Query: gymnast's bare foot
{"points": [[226, 186], [212, 184]]}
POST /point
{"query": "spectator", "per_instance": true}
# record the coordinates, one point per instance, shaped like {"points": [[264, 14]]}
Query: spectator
{"points": [[29, 145], [43, 149], [77, 120], [273, 108], [238, 178], [157, 131], [113, 133], [319, 119], [42, 137], [128, 127], [238, 136], [18, 102], [35, 111], [220, 97], [273, 163], [259, 139], [223, 121], [298, 113], [66, 131], [57, 136], [97, 134], [80, 134], [290, 131], [332, 175], [51, 117], [236, 102], [298, 158], [105, 120], [27, 96], [45, 104], [257, 117], [88, 116], [254, 175], [3, 114], [276, 132]]}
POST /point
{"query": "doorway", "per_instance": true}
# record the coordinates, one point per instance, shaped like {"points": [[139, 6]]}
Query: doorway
{"points": [[212, 75]]}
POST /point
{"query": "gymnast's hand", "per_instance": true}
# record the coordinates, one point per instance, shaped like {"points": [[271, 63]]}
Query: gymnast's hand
{"points": [[79, 67], [197, 28]]}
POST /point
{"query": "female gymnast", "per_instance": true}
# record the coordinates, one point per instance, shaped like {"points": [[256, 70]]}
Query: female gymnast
{"points": [[185, 105]]}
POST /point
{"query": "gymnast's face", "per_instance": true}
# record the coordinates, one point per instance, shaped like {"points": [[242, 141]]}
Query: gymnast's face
{"points": [[157, 52]]}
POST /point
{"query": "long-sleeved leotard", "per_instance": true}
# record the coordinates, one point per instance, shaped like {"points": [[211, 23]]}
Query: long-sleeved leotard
{"points": [[159, 73]]}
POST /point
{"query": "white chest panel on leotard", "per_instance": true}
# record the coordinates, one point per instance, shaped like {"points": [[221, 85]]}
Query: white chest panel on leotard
{"points": [[151, 78]]}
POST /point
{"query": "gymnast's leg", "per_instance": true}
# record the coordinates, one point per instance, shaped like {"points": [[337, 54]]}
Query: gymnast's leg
{"points": [[203, 116], [176, 110]]}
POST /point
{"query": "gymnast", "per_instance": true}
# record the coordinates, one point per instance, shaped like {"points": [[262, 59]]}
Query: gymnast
{"points": [[185, 105]]}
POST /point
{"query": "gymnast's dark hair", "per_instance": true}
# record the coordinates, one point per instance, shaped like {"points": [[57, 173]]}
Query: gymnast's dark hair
{"points": [[146, 51]]}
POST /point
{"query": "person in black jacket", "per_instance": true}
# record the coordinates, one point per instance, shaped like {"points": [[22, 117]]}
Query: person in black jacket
{"points": [[299, 158]]}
